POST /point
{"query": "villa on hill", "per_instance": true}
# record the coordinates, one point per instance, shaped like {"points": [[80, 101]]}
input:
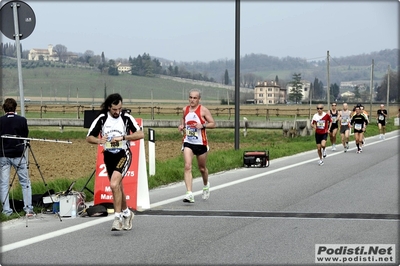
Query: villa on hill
{"points": [[49, 54]]}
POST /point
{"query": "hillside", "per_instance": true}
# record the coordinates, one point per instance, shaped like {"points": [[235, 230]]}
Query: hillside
{"points": [[73, 84], [42, 79], [350, 68]]}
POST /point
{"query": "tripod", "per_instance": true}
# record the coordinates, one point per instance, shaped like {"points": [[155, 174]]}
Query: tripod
{"points": [[87, 182], [27, 147]]}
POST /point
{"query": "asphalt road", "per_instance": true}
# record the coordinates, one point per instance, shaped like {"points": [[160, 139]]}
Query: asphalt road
{"points": [[255, 216]]}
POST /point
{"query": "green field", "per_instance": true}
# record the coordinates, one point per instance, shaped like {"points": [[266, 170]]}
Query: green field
{"points": [[74, 84]]}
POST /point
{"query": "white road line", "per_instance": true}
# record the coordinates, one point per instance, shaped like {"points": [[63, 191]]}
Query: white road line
{"points": [[61, 232]]}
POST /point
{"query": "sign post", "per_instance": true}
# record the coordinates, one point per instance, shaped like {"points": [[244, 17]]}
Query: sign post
{"points": [[21, 16]]}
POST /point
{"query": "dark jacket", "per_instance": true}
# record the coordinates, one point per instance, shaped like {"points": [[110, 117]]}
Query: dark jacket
{"points": [[15, 125]]}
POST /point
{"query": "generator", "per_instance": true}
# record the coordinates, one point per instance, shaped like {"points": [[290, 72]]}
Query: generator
{"points": [[256, 158]]}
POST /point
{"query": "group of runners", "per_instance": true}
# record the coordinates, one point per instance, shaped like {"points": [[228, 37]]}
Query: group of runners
{"points": [[343, 121]]}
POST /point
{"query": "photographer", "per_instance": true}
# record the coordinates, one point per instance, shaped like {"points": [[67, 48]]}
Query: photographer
{"points": [[11, 154]]}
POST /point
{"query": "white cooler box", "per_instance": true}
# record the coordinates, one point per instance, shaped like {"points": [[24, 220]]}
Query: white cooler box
{"points": [[65, 203]]}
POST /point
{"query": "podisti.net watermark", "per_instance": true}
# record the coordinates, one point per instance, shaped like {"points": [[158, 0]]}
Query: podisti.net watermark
{"points": [[355, 253]]}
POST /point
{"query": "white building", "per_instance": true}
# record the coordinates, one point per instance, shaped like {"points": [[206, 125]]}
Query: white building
{"points": [[269, 92], [43, 54]]}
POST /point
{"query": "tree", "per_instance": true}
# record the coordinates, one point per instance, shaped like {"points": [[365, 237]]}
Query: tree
{"points": [[170, 70], [334, 90], [393, 87], [226, 77], [318, 89], [276, 79], [249, 80], [62, 52], [87, 55], [296, 92], [112, 68], [357, 94]]}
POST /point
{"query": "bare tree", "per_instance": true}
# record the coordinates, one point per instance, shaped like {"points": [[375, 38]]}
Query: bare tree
{"points": [[62, 52], [87, 55]]}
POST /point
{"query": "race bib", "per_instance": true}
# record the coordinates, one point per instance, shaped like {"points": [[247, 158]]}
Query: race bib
{"points": [[344, 122], [118, 145], [358, 126], [321, 124], [381, 117], [334, 119], [192, 133]]}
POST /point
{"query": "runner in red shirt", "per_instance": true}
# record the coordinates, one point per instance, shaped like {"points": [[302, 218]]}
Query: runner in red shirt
{"points": [[321, 123]]}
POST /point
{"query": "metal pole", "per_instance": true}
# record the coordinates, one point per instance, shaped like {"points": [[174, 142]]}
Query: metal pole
{"points": [[18, 46], [329, 82], [310, 96], [387, 92], [43, 140], [370, 89], [237, 74]]}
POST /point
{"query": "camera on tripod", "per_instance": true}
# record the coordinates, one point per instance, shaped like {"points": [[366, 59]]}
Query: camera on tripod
{"points": [[27, 149]]}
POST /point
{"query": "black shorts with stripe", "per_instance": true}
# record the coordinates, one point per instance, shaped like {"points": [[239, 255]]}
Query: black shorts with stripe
{"points": [[119, 161]]}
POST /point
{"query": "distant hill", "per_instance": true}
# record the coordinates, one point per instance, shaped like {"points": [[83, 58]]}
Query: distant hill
{"points": [[68, 80], [264, 67]]}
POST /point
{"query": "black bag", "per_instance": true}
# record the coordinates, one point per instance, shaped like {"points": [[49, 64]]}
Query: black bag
{"points": [[97, 210], [37, 199], [17, 205]]}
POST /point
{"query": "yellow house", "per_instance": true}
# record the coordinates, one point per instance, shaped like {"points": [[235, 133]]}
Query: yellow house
{"points": [[269, 92]]}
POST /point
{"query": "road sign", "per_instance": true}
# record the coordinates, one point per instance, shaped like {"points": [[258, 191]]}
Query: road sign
{"points": [[26, 20]]}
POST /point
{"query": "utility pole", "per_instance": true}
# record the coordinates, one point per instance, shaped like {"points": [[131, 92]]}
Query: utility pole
{"points": [[371, 85], [237, 74], [387, 92], [329, 82]]}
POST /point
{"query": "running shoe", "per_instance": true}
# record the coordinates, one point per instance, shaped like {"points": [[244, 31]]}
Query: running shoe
{"points": [[206, 191], [321, 162], [324, 153], [117, 224], [347, 146], [333, 147], [189, 197], [128, 221], [345, 149], [358, 151]]}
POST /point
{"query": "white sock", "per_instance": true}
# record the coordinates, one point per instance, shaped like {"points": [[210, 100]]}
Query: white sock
{"points": [[117, 214], [126, 212]]}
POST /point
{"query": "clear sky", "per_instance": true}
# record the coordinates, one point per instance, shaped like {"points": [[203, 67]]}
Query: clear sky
{"points": [[205, 30]]}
